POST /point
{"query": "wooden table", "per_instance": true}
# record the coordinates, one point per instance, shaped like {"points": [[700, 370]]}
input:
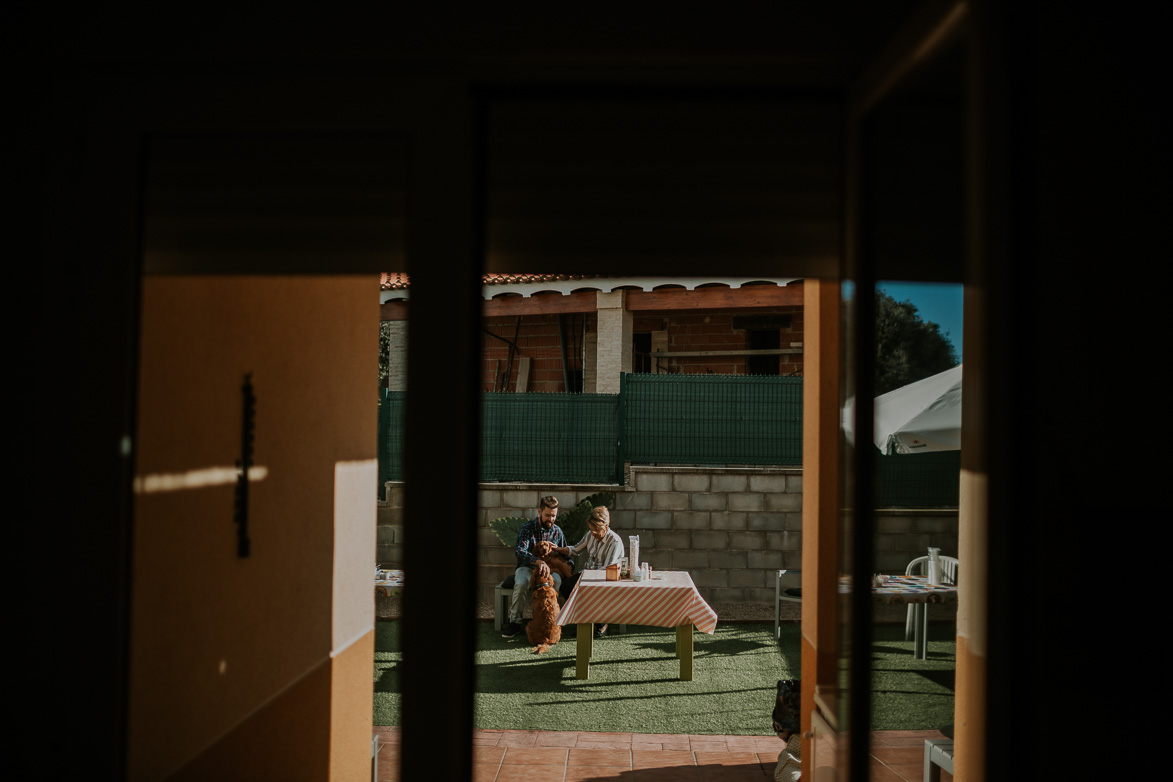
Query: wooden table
{"points": [[669, 599]]}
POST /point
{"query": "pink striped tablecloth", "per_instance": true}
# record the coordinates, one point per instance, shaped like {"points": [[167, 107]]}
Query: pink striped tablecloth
{"points": [[670, 599]]}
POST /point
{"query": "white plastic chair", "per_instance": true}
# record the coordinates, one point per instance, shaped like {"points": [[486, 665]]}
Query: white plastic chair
{"points": [[793, 595], [919, 567]]}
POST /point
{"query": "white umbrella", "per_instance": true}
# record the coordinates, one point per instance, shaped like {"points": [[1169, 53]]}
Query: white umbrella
{"points": [[919, 417]]}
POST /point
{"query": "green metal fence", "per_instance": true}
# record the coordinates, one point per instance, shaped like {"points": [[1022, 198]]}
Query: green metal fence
{"points": [[921, 480], [542, 438], [390, 437], [712, 419], [661, 419], [550, 438]]}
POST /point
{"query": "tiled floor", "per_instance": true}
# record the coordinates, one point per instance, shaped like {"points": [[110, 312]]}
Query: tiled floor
{"points": [[567, 756]]}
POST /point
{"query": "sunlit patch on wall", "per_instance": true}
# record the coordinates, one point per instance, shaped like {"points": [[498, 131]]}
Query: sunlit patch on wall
{"points": [[195, 479]]}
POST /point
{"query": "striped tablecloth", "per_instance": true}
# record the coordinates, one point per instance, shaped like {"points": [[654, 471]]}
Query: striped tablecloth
{"points": [[669, 600]]}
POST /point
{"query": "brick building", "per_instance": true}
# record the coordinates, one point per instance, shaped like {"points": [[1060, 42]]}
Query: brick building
{"points": [[556, 332]]}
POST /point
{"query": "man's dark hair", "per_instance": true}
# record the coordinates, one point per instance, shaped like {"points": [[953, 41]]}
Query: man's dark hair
{"points": [[549, 501]]}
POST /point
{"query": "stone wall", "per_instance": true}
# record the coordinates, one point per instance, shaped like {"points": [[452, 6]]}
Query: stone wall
{"points": [[731, 528]]}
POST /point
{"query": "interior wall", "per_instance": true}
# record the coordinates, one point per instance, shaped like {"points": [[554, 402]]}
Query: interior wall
{"points": [[225, 646], [656, 179]]}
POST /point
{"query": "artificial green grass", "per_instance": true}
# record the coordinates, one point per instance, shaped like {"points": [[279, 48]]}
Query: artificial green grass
{"points": [[909, 694], [634, 685]]}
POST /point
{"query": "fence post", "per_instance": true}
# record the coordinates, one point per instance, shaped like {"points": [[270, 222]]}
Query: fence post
{"points": [[621, 446], [384, 432]]}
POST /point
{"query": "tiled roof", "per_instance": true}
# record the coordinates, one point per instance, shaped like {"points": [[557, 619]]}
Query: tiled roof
{"points": [[394, 285], [398, 280], [393, 281]]}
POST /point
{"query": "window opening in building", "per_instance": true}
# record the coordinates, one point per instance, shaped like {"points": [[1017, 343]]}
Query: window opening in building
{"points": [[762, 339], [641, 351]]}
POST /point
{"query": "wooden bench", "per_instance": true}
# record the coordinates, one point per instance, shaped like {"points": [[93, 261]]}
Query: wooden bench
{"points": [[502, 594], [938, 755]]}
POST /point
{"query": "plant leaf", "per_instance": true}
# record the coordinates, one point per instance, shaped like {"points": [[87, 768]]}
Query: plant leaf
{"points": [[506, 529]]}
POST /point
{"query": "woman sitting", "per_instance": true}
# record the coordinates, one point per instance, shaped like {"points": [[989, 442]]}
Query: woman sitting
{"points": [[602, 548]]}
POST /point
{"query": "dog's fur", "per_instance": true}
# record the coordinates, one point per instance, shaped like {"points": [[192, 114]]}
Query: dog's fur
{"points": [[542, 549], [543, 630], [787, 708]]}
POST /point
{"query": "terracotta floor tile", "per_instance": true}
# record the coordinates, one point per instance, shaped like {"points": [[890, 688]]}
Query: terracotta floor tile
{"points": [[769, 758], [610, 739], [906, 773], [667, 774], [605, 756], [726, 758], [746, 773], [505, 755], [878, 772], [593, 773], [481, 754], [485, 741], [917, 773], [662, 759], [484, 772], [899, 756], [708, 748], [743, 742], [621, 746], [558, 738], [904, 738], [388, 771], [530, 773], [534, 756]]}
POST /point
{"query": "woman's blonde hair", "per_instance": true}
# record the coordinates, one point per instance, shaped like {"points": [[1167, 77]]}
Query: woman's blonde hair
{"points": [[599, 516]]}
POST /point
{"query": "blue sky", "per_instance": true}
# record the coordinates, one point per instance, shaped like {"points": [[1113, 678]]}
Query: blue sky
{"points": [[936, 302]]}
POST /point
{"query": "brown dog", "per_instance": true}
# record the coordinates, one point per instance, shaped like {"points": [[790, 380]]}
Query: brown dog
{"points": [[543, 550], [543, 630]]}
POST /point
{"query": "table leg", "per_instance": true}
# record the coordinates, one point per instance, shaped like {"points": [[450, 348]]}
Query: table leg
{"points": [[920, 631], [586, 639], [778, 605], [684, 651]]}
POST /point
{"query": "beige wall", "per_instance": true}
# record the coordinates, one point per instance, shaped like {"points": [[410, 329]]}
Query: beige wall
{"points": [[253, 662]]}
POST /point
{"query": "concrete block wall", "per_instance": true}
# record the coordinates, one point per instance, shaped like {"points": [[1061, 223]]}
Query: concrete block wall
{"points": [[389, 527], [396, 355], [903, 535], [731, 528]]}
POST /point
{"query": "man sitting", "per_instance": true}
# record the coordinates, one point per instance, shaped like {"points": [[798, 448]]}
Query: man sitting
{"points": [[540, 528]]}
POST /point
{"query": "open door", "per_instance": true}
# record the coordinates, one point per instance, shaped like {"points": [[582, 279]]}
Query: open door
{"points": [[905, 221]]}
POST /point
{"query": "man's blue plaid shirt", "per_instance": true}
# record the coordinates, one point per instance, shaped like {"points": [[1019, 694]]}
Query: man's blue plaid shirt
{"points": [[531, 531]]}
